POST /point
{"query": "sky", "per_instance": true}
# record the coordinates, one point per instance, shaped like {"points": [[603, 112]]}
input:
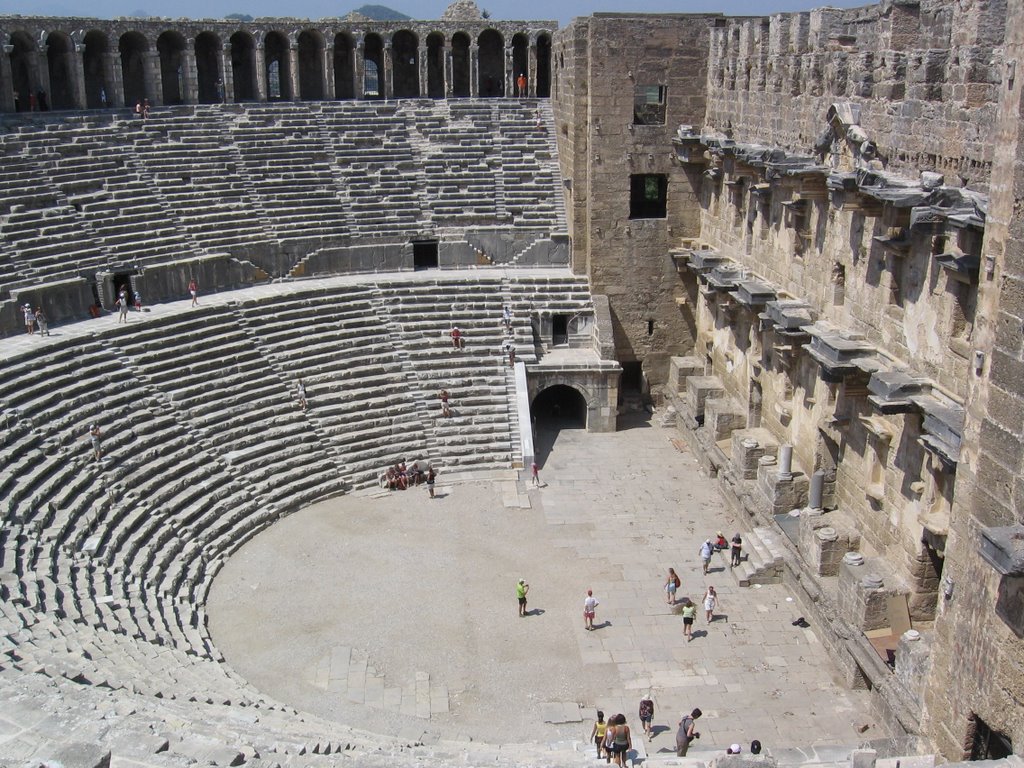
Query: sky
{"points": [[562, 11]]}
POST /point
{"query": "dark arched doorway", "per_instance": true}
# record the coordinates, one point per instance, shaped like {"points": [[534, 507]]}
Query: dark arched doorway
{"points": [[22, 71], [97, 91], [373, 67], [59, 53], [559, 407], [435, 65], [520, 62], [344, 69], [275, 63], [171, 46], [405, 61], [491, 54], [543, 66], [133, 47], [208, 74], [460, 64], [243, 71], [311, 66]]}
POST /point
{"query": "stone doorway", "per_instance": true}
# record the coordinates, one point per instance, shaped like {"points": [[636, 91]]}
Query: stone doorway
{"points": [[559, 407]]}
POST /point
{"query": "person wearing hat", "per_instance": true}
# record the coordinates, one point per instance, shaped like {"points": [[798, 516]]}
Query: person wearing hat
{"points": [[30, 319], [521, 589]]}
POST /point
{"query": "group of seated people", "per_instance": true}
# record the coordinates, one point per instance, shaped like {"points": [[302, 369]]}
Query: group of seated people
{"points": [[399, 476]]}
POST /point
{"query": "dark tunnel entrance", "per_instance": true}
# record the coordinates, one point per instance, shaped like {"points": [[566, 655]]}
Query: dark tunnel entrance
{"points": [[560, 407]]}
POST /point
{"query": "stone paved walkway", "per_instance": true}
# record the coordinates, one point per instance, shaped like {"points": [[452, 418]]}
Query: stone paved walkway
{"points": [[396, 613]]}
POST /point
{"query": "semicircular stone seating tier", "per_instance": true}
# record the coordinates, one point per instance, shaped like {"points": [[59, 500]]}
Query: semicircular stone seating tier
{"points": [[105, 565]]}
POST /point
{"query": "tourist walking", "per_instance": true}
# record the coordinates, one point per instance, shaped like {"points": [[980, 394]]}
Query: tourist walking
{"points": [[431, 477], [193, 289], [622, 741], [42, 322], [735, 550], [30, 319], [522, 589], [687, 732], [609, 738], [689, 613], [138, 301], [300, 395], [506, 317], [707, 549], [590, 604], [646, 714], [710, 603], [445, 408], [672, 583], [535, 474], [122, 308], [598, 733]]}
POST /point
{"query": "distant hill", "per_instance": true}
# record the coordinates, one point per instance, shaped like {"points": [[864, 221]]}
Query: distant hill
{"points": [[381, 13]]}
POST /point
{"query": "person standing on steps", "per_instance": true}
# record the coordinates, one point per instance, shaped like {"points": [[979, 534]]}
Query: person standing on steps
{"points": [[535, 474], [590, 604], [672, 583], [707, 549], [95, 438], [735, 550], [522, 589], [445, 408], [30, 319], [622, 742], [598, 733], [300, 395], [122, 308], [521, 84], [431, 477], [686, 732], [42, 322], [193, 289]]}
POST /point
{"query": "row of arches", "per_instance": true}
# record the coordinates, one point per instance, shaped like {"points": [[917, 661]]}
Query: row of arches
{"points": [[101, 71]]}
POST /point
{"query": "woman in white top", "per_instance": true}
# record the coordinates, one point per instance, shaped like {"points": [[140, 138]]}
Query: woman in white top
{"points": [[710, 603]]}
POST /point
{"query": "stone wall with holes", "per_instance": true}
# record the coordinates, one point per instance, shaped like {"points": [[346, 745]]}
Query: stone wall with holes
{"points": [[599, 63], [978, 653], [906, 63]]}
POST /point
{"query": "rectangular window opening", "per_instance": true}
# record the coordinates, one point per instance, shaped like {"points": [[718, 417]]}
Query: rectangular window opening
{"points": [[648, 194], [649, 105]]}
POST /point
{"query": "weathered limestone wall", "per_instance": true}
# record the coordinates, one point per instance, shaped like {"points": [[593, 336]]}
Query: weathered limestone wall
{"points": [[599, 62], [978, 655], [908, 64]]}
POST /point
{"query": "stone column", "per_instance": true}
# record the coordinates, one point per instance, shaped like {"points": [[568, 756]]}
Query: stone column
{"points": [[152, 78], [293, 69], [449, 70], [77, 69], [260, 68], [531, 68], [41, 66], [510, 74], [328, 71], [474, 69], [422, 61], [189, 77], [359, 69], [387, 76], [227, 73], [7, 78], [113, 79]]}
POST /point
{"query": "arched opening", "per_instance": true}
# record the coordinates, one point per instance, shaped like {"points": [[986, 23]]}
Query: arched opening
{"points": [[208, 75], [559, 407], [243, 70], [22, 72], [275, 63], [460, 64], [344, 69], [97, 90], [59, 53], [171, 47], [520, 62], [311, 66], [133, 47], [373, 67], [435, 65], [406, 78], [543, 66], [492, 63]]}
